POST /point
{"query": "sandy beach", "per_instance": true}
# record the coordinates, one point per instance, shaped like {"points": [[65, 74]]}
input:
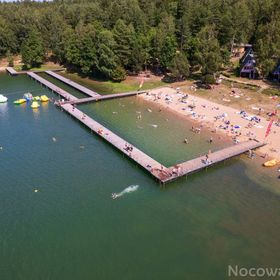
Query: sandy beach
{"points": [[237, 124]]}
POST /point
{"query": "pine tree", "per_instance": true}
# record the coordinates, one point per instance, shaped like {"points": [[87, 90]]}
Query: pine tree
{"points": [[32, 50]]}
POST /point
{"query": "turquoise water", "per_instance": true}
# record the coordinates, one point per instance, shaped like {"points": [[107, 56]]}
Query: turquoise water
{"points": [[72, 229]]}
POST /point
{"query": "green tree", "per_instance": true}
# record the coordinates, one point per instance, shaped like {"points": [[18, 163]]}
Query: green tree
{"points": [[124, 36], [81, 49], [179, 66], [267, 46], [7, 38], [107, 61], [163, 43], [207, 51], [32, 50]]}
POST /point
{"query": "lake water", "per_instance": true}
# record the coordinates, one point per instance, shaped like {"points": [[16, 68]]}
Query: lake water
{"points": [[72, 229]]}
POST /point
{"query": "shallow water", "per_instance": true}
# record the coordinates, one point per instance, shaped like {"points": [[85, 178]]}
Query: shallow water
{"points": [[72, 229], [159, 133]]}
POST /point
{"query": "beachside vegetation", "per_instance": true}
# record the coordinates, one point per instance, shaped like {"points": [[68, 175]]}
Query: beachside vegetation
{"points": [[113, 38]]}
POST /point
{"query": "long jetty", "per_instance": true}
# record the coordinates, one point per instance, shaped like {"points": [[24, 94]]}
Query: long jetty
{"points": [[53, 87], [156, 169], [137, 155], [197, 164], [104, 97], [73, 84], [159, 171]]}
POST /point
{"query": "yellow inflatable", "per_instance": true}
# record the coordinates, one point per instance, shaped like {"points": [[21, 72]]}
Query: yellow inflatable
{"points": [[20, 101], [44, 98], [37, 98], [270, 163], [35, 105]]}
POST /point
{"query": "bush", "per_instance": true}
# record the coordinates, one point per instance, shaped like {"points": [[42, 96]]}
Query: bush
{"points": [[208, 79], [118, 74], [11, 61]]}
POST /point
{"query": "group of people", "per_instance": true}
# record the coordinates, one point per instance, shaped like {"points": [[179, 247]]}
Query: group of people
{"points": [[196, 129], [128, 148]]}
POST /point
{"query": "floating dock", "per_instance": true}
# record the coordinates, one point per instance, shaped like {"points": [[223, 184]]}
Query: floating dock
{"points": [[66, 95], [73, 84]]}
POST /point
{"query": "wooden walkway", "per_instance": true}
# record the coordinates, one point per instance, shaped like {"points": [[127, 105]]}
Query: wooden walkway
{"points": [[73, 84], [13, 72], [66, 95], [156, 169], [104, 97], [137, 155], [200, 163]]}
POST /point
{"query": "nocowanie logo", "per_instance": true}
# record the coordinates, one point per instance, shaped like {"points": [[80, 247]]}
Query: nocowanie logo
{"points": [[260, 272]]}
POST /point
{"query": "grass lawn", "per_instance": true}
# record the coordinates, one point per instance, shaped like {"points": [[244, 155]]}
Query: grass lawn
{"points": [[44, 67], [271, 91], [107, 87], [235, 84]]}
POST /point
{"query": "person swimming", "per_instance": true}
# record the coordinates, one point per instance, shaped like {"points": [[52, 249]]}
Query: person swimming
{"points": [[114, 196]]}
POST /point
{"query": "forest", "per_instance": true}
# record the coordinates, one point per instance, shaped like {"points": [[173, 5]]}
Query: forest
{"points": [[113, 38]]}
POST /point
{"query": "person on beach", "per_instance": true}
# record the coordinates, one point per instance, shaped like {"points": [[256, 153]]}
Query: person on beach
{"points": [[211, 140], [186, 141]]}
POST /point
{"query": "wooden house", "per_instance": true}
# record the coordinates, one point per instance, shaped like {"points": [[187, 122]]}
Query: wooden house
{"points": [[276, 73], [248, 65]]}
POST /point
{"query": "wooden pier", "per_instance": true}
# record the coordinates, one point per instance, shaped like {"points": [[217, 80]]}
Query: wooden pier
{"points": [[200, 163], [159, 171], [155, 168], [66, 95], [73, 84], [13, 72], [104, 97], [148, 163]]}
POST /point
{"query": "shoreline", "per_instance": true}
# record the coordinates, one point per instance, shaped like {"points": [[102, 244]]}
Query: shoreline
{"points": [[213, 116], [207, 128]]}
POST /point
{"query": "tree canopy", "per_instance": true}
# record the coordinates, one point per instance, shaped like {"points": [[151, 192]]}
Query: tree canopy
{"points": [[115, 37]]}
